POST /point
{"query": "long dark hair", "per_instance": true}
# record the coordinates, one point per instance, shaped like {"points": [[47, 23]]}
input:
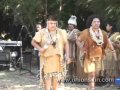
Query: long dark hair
{"points": [[90, 19], [114, 29]]}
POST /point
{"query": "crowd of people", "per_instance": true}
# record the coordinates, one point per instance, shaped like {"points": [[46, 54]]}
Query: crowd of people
{"points": [[99, 50]]}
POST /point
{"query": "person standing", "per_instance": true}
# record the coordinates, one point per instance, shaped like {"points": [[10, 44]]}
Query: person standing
{"points": [[72, 36], [95, 41], [109, 61], [38, 28], [51, 43]]}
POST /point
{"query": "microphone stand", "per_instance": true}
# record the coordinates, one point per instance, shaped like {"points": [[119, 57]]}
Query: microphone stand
{"points": [[20, 59], [21, 55]]}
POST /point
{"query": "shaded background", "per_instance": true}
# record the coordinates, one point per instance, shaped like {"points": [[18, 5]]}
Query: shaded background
{"points": [[18, 17]]}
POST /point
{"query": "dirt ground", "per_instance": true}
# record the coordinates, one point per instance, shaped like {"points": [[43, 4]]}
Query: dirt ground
{"points": [[25, 80]]}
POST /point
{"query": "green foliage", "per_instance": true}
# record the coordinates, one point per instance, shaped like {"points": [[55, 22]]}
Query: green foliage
{"points": [[29, 12], [109, 9]]}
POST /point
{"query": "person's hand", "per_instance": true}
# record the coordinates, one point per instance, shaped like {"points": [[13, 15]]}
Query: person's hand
{"points": [[116, 44], [42, 50], [114, 56], [68, 61]]}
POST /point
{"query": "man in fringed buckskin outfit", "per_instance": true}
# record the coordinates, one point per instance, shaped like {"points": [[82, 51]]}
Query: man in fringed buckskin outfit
{"points": [[51, 43], [95, 42]]}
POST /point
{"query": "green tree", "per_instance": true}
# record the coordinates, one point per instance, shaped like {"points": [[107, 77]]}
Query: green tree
{"points": [[28, 12]]}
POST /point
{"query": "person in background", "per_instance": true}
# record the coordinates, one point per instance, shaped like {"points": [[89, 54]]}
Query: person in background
{"points": [[114, 36], [72, 36], [38, 28], [95, 41], [51, 43]]}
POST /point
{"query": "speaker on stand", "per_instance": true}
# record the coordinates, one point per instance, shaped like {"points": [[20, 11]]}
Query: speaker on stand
{"points": [[4, 58], [26, 61]]}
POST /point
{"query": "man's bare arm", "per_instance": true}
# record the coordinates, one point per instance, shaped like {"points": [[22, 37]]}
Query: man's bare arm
{"points": [[36, 45], [79, 42], [110, 46], [66, 46]]}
